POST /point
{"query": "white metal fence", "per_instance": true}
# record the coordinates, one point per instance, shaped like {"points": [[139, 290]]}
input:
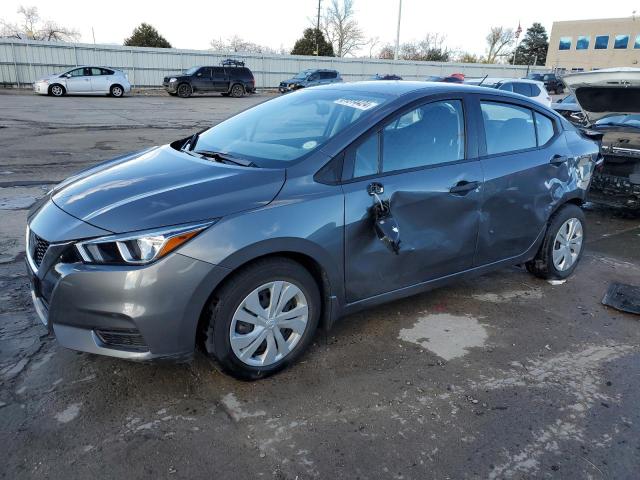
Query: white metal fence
{"points": [[24, 61]]}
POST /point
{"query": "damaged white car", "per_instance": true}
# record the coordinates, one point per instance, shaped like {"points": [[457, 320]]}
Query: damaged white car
{"points": [[610, 99]]}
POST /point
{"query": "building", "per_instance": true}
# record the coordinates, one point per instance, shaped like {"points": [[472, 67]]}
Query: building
{"points": [[593, 44]]}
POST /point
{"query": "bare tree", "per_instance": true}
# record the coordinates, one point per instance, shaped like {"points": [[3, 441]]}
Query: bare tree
{"points": [[341, 28], [32, 27], [373, 42], [430, 48], [238, 44], [499, 40]]}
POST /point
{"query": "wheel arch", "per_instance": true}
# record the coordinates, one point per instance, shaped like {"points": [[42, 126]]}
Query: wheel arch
{"points": [[322, 272], [64, 89]]}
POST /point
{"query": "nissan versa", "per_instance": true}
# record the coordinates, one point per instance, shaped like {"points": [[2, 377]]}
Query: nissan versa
{"points": [[245, 237]]}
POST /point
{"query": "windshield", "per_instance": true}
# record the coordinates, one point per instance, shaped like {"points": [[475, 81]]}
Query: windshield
{"points": [[302, 74], [629, 120], [569, 99], [535, 76], [191, 71], [287, 128]]}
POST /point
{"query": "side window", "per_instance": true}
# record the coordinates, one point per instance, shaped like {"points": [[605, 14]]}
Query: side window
{"points": [[204, 72], [87, 72], [428, 135], [328, 75], [508, 128], [544, 126], [535, 90], [507, 87], [218, 73], [522, 88], [78, 72], [96, 71], [314, 77], [365, 157], [106, 72]]}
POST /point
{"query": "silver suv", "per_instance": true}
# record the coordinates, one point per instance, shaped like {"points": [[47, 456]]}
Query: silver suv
{"points": [[310, 78]]}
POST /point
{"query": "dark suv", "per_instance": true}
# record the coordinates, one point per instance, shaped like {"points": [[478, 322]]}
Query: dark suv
{"points": [[231, 78], [551, 82]]}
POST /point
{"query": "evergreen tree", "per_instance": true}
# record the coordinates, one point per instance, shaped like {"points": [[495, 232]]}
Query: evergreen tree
{"points": [[146, 36], [307, 44], [533, 47]]}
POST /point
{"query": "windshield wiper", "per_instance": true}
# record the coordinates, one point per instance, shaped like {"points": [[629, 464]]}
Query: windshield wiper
{"points": [[225, 158]]}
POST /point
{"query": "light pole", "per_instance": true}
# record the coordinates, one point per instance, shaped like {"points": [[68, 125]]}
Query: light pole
{"points": [[395, 54], [318, 31]]}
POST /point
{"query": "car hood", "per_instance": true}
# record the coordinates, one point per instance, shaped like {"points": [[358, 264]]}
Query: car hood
{"points": [[163, 186], [611, 91]]}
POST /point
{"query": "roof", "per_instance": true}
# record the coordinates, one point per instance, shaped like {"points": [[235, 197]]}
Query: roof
{"points": [[401, 87]]}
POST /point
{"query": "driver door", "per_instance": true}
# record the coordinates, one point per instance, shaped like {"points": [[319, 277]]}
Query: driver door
{"points": [[78, 80], [202, 80]]}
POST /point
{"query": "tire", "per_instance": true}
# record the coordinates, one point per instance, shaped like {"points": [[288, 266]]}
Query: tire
{"points": [[237, 90], [57, 90], [250, 290], [116, 91], [561, 225], [172, 94], [184, 90]]}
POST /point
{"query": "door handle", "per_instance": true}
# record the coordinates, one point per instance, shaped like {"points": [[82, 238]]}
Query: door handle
{"points": [[463, 187], [375, 188], [558, 159]]}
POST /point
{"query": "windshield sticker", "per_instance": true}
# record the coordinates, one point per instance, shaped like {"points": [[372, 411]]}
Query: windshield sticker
{"points": [[309, 145], [359, 104]]}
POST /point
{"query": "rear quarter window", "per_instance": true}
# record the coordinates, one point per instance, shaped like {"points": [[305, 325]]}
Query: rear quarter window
{"points": [[544, 127]]}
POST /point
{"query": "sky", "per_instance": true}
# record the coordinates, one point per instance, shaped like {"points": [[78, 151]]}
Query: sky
{"points": [[193, 24]]}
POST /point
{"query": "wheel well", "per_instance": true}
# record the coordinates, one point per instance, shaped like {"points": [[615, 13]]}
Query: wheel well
{"points": [[312, 266]]}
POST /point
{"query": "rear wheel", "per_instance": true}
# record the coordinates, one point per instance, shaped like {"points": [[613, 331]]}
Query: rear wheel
{"points": [[237, 90], [56, 90], [263, 318], [184, 90], [116, 91], [563, 244]]}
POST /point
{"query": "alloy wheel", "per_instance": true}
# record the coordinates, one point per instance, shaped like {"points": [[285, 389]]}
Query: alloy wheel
{"points": [[116, 91], [57, 91], [567, 244], [269, 323], [237, 91]]}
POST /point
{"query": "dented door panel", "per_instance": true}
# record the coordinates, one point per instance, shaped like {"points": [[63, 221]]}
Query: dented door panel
{"points": [[438, 229]]}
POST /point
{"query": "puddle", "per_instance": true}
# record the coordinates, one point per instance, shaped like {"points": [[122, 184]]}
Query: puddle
{"points": [[448, 336]]}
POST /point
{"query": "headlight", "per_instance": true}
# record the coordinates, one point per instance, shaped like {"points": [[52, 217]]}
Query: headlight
{"points": [[138, 248], [173, 80]]}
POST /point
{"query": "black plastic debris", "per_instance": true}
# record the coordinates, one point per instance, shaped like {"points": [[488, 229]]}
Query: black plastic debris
{"points": [[625, 298]]}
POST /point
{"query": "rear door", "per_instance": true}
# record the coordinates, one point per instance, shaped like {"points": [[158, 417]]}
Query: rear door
{"points": [[523, 158], [425, 160], [100, 79], [220, 79]]}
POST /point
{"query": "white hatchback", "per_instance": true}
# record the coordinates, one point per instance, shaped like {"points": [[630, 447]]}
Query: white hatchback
{"points": [[533, 89], [85, 81]]}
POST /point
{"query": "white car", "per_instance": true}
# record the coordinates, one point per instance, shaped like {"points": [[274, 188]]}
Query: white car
{"points": [[86, 81], [529, 88]]}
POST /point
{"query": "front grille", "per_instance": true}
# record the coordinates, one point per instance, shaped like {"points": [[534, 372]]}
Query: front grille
{"points": [[125, 339], [39, 248]]}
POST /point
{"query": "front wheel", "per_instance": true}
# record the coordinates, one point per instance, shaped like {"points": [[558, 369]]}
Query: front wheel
{"points": [[563, 244], [56, 90], [263, 318], [184, 90]]}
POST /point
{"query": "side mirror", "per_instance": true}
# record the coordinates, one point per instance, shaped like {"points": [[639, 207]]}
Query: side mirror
{"points": [[67, 75], [199, 74]]}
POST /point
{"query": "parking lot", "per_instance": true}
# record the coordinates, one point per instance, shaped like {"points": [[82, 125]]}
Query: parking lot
{"points": [[503, 376]]}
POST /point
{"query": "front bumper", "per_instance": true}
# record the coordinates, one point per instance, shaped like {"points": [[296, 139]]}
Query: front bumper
{"points": [[41, 88], [170, 87], [135, 313]]}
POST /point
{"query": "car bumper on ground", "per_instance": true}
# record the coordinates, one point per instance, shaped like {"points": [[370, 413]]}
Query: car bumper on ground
{"points": [[170, 87], [136, 313]]}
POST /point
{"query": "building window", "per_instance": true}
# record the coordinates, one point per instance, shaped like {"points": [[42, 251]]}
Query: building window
{"points": [[583, 42], [621, 41], [637, 42], [565, 43], [602, 42]]}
